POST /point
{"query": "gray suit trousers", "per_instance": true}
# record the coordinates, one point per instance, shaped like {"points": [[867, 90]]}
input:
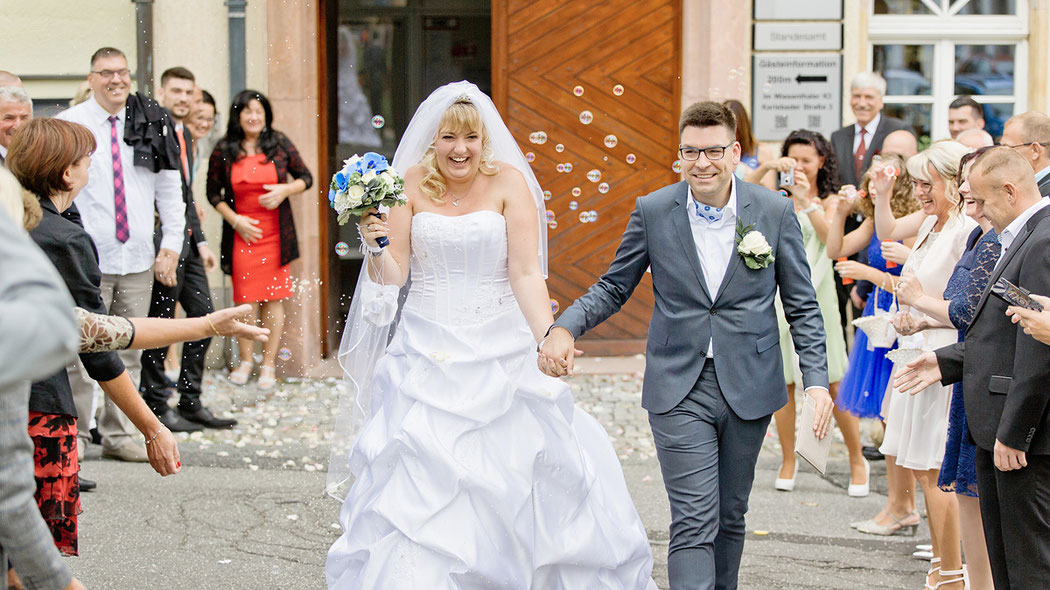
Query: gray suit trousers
{"points": [[707, 456]]}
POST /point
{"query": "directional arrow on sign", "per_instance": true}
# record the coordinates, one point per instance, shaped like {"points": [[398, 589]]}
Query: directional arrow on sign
{"points": [[800, 78]]}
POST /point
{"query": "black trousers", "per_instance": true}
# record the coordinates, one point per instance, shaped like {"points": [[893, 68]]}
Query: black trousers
{"points": [[1015, 508], [191, 291]]}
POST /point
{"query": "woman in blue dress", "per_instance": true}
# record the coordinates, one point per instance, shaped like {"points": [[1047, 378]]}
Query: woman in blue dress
{"points": [[957, 309]]}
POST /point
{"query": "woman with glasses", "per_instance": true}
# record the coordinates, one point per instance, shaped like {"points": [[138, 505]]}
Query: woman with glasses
{"points": [[809, 176]]}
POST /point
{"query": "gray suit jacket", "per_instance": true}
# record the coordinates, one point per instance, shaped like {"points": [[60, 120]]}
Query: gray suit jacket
{"points": [[39, 338], [842, 142], [740, 318]]}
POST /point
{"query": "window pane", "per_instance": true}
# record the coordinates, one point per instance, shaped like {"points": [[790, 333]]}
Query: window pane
{"points": [[995, 115], [908, 69], [989, 7], [916, 115], [457, 48], [984, 69], [901, 7]]}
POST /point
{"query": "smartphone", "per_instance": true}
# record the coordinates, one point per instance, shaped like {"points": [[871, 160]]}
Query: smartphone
{"points": [[787, 177], [1014, 295]]}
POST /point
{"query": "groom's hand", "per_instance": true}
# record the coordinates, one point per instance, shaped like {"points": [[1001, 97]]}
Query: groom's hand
{"points": [[824, 406], [557, 352]]}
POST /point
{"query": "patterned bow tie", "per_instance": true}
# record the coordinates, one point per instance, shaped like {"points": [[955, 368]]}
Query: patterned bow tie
{"points": [[709, 213]]}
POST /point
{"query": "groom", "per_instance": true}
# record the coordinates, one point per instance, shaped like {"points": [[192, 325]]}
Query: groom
{"points": [[713, 373]]}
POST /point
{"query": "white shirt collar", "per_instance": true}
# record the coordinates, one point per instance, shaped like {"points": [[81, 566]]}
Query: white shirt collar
{"points": [[870, 128], [1008, 235], [3, 152], [729, 210], [1042, 174], [102, 114]]}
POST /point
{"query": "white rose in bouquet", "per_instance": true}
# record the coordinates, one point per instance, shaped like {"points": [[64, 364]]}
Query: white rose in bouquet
{"points": [[354, 193], [368, 176]]}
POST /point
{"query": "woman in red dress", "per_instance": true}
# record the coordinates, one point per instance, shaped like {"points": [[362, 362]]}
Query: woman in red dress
{"points": [[251, 174]]}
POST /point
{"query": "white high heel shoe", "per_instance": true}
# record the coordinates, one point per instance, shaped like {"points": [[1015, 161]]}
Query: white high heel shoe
{"points": [[861, 490], [786, 485]]}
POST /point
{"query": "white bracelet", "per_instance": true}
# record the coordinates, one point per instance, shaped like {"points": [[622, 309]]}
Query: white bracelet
{"points": [[365, 248], [812, 207]]}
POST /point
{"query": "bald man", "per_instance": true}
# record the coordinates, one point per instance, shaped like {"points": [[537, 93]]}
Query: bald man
{"points": [[1029, 134], [975, 138], [901, 142], [9, 79], [1005, 373]]}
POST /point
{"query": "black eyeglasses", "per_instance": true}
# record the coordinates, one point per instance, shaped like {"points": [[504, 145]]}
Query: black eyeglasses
{"points": [[1042, 143], [692, 154], [109, 74]]}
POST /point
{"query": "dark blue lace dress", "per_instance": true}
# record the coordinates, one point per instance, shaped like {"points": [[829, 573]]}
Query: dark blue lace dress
{"points": [[868, 373], [963, 291]]}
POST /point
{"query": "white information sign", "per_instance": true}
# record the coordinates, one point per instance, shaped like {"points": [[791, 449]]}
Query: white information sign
{"points": [[779, 36], [798, 10], [796, 91]]}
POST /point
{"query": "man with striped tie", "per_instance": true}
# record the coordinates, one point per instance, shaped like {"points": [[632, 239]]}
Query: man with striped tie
{"points": [[117, 209]]}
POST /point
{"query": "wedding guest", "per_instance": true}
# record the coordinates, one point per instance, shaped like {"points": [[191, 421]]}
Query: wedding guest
{"points": [[39, 339], [119, 207], [1004, 375], [957, 307], [15, 109], [1029, 134], [868, 373], [917, 425], [975, 138], [815, 170], [964, 113], [201, 123], [752, 151], [252, 173], [51, 158]]}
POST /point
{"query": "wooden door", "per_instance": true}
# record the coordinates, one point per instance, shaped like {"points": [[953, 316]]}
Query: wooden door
{"points": [[619, 60]]}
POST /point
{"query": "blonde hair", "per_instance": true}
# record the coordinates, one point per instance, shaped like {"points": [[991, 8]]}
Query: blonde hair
{"points": [[943, 156], [461, 116], [903, 201]]}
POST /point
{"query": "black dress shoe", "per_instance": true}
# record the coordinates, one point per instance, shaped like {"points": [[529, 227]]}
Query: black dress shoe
{"points": [[176, 423], [872, 454], [96, 438], [86, 485], [204, 417]]}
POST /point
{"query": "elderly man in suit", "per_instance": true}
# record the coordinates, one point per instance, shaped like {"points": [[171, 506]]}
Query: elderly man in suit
{"points": [[1006, 378], [1029, 134], [15, 109], [719, 249], [855, 144]]}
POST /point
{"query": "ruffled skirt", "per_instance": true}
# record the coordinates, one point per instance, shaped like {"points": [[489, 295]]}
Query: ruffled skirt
{"points": [[55, 467]]}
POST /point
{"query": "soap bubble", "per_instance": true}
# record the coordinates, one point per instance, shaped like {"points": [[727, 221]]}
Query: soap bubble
{"points": [[584, 218], [592, 216], [560, 167], [378, 121], [554, 306], [594, 175], [630, 158], [573, 205], [603, 187], [552, 224], [767, 88], [538, 137], [550, 216], [576, 191], [546, 195], [342, 249], [610, 141], [559, 148], [618, 90], [568, 166], [529, 156], [578, 91], [676, 166], [586, 117], [284, 354]]}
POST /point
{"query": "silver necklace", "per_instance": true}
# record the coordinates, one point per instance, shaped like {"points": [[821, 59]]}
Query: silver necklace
{"points": [[455, 200]]}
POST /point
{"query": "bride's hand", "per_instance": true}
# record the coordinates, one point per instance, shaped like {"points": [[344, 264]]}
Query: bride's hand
{"points": [[373, 226]]}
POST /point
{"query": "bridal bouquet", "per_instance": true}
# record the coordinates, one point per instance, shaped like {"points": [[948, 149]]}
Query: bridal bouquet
{"points": [[365, 182]]}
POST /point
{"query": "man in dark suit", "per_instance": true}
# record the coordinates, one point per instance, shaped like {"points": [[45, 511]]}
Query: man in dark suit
{"points": [[191, 288], [719, 249], [1029, 134], [1006, 378]]}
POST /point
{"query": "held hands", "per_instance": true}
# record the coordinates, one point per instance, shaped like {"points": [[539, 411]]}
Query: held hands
{"points": [[556, 354], [1035, 323], [227, 322], [373, 226], [247, 228], [895, 252], [278, 193], [165, 266], [918, 374], [163, 453], [824, 407]]}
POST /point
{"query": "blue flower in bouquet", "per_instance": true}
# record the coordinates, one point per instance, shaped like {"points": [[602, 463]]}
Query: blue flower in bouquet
{"points": [[341, 181], [374, 162]]}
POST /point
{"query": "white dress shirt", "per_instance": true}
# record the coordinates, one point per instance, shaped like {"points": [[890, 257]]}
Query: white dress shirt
{"points": [[869, 132], [145, 191], [1007, 237], [715, 241], [3, 152]]}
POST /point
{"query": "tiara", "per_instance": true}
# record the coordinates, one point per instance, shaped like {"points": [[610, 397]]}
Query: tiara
{"points": [[463, 98]]}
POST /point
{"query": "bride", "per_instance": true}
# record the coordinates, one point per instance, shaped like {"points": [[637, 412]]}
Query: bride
{"points": [[471, 469]]}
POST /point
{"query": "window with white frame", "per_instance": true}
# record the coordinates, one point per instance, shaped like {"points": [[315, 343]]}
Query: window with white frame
{"points": [[933, 51]]}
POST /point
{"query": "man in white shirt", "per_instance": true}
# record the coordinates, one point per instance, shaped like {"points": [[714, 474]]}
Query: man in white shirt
{"points": [[15, 109], [117, 209], [1029, 134]]}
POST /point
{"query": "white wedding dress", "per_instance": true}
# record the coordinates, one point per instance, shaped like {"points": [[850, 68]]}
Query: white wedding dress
{"points": [[477, 471]]}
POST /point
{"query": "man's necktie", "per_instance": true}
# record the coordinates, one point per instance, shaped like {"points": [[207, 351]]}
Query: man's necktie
{"points": [[182, 155], [858, 156], [709, 213], [120, 207]]}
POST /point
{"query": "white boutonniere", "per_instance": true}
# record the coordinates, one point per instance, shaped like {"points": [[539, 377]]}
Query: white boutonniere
{"points": [[753, 247]]}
